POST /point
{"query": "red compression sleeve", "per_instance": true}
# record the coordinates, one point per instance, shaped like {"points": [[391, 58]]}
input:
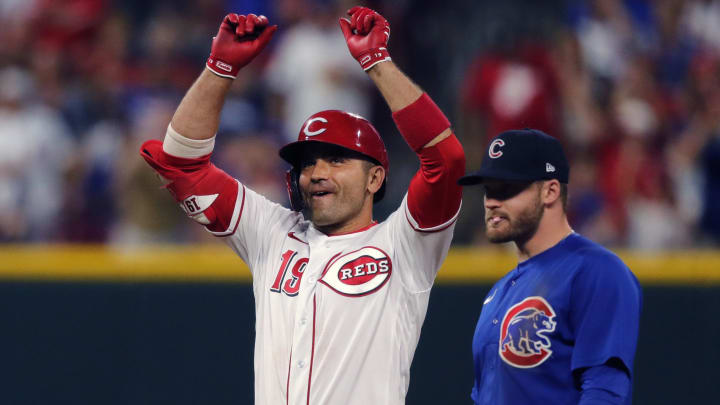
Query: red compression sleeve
{"points": [[420, 122], [434, 196]]}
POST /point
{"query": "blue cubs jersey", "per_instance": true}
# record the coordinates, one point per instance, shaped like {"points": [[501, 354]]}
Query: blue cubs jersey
{"points": [[573, 306]]}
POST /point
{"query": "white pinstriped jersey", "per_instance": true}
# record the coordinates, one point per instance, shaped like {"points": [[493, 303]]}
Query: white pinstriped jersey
{"points": [[338, 318]]}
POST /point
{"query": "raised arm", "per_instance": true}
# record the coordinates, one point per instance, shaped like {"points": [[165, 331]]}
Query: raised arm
{"points": [[198, 115], [399, 91], [434, 196], [239, 39], [207, 194]]}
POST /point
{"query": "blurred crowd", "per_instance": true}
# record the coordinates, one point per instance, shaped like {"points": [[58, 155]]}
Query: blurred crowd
{"points": [[631, 87]]}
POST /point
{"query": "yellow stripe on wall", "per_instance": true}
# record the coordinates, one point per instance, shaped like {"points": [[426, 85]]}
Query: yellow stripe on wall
{"points": [[102, 263], [217, 263], [697, 267]]}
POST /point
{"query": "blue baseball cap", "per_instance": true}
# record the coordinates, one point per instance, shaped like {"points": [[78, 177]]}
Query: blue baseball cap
{"points": [[523, 155]]}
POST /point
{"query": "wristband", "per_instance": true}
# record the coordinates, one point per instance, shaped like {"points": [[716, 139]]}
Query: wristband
{"points": [[373, 57], [221, 68], [180, 146]]}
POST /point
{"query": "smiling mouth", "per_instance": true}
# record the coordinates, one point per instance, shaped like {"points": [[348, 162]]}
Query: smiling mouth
{"points": [[494, 220], [319, 193]]}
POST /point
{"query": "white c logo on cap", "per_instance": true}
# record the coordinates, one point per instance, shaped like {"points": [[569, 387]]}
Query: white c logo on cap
{"points": [[493, 150], [309, 122]]}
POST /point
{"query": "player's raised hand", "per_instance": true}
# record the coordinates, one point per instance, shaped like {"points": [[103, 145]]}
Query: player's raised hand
{"points": [[239, 39], [367, 34]]}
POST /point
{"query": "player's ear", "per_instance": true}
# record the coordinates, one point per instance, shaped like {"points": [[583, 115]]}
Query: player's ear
{"points": [[550, 192], [375, 178]]}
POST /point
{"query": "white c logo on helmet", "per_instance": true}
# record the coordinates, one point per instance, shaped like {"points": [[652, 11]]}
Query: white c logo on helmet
{"points": [[493, 150], [309, 122]]}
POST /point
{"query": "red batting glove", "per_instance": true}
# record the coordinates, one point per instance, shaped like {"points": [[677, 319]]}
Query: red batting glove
{"points": [[239, 39], [366, 34]]}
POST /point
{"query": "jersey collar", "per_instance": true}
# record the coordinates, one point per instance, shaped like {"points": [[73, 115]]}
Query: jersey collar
{"points": [[548, 254]]}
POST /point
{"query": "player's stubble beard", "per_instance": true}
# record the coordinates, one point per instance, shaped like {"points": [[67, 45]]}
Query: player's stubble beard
{"points": [[521, 228], [343, 205]]}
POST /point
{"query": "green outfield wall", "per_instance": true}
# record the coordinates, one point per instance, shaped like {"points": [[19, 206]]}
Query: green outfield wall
{"points": [[175, 325]]}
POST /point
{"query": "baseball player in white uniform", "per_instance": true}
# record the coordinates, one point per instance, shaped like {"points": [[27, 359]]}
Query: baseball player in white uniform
{"points": [[339, 298]]}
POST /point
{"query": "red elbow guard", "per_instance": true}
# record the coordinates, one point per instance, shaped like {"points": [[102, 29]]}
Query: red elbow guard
{"points": [[205, 193]]}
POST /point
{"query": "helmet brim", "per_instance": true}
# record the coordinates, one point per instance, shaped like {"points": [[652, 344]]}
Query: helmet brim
{"points": [[294, 152]]}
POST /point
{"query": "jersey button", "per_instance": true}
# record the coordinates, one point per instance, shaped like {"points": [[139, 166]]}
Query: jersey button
{"points": [[301, 363], [303, 321], [512, 282], [311, 279], [495, 321]]}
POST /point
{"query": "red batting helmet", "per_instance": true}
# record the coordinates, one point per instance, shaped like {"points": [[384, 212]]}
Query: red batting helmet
{"points": [[340, 128]]}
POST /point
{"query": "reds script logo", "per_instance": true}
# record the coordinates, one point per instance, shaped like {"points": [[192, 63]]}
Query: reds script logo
{"points": [[494, 150], [358, 273], [522, 340]]}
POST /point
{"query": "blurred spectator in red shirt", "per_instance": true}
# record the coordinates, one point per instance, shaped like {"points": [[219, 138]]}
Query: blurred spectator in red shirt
{"points": [[509, 87]]}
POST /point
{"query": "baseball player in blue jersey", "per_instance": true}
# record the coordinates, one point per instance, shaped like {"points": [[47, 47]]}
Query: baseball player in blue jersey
{"points": [[562, 326]]}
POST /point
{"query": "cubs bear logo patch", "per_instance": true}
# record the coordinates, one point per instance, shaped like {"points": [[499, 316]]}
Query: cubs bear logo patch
{"points": [[523, 340], [358, 273]]}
